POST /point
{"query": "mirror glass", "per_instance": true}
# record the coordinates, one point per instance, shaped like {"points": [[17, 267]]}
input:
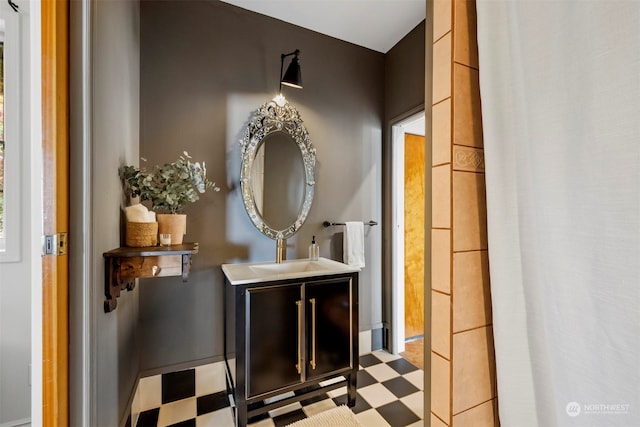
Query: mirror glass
{"points": [[277, 172], [277, 180]]}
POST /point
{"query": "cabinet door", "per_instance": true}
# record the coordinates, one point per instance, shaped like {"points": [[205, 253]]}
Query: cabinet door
{"points": [[329, 309], [273, 338]]}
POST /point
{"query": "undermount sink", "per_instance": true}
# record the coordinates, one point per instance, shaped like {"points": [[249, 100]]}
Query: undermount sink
{"points": [[289, 267], [238, 274]]}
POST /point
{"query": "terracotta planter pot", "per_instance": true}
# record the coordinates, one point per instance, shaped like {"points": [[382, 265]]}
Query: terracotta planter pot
{"points": [[174, 224]]}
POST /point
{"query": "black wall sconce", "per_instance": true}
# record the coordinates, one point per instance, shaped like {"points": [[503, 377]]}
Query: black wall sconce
{"points": [[293, 76]]}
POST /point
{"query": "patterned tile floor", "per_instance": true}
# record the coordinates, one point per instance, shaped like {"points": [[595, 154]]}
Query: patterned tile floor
{"points": [[390, 394]]}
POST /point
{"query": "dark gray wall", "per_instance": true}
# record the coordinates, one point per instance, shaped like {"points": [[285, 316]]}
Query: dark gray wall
{"points": [[104, 135], [404, 96], [404, 75], [205, 66]]}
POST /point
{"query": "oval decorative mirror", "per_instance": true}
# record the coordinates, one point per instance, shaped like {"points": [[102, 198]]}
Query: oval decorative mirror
{"points": [[277, 171]]}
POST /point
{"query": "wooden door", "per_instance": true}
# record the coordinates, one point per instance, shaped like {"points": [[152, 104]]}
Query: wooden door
{"points": [[55, 270], [414, 152]]}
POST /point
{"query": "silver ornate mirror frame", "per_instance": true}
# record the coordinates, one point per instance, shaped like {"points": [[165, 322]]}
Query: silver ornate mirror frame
{"points": [[276, 116]]}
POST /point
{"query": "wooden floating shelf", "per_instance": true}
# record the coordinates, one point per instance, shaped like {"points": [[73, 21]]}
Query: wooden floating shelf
{"points": [[124, 265]]}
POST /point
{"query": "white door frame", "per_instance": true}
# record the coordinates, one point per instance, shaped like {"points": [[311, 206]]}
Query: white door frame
{"points": [[414, 124]]}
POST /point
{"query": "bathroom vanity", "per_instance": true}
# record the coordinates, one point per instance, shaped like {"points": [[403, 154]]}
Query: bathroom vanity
{"points": [[290, 327], [291, 332]]}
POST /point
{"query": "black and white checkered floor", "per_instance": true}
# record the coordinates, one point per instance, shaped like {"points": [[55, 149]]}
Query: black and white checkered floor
{"points": [[390, 393]]}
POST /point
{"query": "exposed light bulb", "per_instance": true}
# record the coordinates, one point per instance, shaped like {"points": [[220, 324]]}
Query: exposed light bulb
{"points": [[280, 100]]}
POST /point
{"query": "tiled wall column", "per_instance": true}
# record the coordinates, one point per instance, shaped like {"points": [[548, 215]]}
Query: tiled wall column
{"points": [[463, 386]]}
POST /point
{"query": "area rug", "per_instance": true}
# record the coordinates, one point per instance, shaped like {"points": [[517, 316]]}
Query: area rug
{"points": [[336, 417]]}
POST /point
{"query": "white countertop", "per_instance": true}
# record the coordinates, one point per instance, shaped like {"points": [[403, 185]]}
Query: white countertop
{"points": [[246, 273]]}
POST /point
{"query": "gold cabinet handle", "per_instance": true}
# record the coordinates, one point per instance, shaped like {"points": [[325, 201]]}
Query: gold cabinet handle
{"points": [[299, 364], [313, 333]]}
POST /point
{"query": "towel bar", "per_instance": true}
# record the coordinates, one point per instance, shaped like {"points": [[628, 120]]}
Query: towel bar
{"points": [[329, 223]]}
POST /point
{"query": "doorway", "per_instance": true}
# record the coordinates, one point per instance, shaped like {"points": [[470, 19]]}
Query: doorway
{"points": [[408, 259], [20, 215]]}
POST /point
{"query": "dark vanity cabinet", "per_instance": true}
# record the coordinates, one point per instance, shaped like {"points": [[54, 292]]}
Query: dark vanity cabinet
{"points": [[273, 338], [328, 327], [288, 336]]}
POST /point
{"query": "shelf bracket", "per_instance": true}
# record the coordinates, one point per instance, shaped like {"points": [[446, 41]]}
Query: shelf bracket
{"points": [[115, 283], [124, 265]]}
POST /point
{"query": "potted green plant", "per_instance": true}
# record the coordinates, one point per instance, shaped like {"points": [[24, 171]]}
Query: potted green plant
{"points": [[169, 187]]}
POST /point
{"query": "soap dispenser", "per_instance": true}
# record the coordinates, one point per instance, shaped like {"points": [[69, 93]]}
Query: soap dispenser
{"points": [[314, 250]]}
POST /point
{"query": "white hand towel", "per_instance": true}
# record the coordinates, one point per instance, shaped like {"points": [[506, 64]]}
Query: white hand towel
{"points": [[353, 244], [137, 213]]}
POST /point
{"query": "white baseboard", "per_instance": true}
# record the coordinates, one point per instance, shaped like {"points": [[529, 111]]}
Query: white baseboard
{"points": [[364, 343]]}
